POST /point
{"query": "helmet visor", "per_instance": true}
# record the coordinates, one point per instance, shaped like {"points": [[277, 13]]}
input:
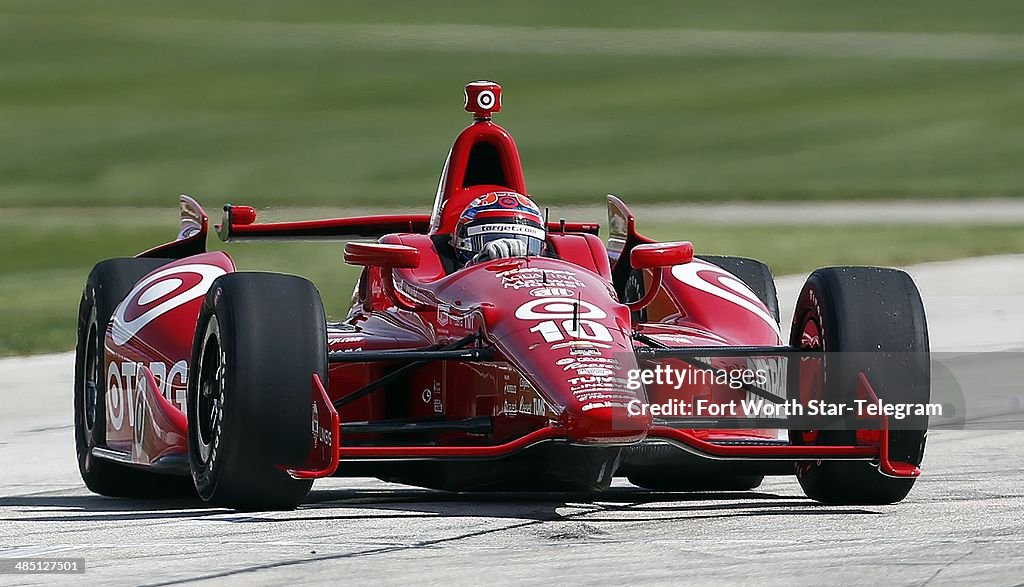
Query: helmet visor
{"points": [[480, 235]]}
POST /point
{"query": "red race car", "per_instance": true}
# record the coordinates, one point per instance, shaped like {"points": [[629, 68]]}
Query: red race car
{"points": [[488, 348]]}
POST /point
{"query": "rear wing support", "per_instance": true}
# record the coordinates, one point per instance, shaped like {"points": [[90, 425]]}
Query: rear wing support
{"points": [[191, 239]]}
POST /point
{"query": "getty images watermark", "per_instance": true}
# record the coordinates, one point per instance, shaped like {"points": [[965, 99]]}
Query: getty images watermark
{"points": [[769, 400]]}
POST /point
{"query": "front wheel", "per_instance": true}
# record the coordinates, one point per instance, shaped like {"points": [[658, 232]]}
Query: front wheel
{"points": [[108, 283], [259, 340], [866, 320]]}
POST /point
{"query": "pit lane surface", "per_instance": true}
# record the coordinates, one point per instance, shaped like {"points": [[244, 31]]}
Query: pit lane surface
{"points": [[961, 523]]}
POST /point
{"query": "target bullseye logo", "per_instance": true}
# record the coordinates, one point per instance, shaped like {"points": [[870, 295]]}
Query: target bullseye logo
{"points": [[718, 282], [485, 99], [159, 293]]}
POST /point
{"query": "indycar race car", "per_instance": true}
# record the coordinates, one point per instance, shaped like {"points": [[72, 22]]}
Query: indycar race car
{"points": [[554, 370]]}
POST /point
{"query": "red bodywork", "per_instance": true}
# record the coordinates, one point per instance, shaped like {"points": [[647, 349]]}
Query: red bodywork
{"points": [[560, 343]]}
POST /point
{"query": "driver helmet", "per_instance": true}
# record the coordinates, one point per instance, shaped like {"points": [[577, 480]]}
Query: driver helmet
{"points": [[494, 216]]}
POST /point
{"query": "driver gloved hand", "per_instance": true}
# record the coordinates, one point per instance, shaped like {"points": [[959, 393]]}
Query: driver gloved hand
{"points": [[503, 248]]}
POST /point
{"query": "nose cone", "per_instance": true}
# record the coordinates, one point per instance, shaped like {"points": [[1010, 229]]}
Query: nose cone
{"points": [[607, 421], [562, 327]]}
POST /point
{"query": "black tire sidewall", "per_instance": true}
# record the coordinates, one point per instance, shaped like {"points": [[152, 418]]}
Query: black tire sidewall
{"points": [[861, 311], [272, 333], [108, 284]]}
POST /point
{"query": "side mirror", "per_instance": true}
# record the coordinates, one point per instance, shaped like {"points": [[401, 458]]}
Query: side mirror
{"points": [[382, 255], [655, 255]]}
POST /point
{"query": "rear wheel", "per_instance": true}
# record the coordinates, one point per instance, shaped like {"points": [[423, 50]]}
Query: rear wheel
{"points": [[755, 274], [868, 320], [752, 272], [666, 477], [259, 340], [108, 284]]}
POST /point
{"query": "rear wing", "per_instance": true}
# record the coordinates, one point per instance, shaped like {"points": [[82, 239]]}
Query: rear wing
{"points": [[240, 224]]}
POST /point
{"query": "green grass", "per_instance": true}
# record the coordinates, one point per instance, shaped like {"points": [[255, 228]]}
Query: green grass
{"points": [[46, 256], [45, 259], [110, 104], [131, 103]]}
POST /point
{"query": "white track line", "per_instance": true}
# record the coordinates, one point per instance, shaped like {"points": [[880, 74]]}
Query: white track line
{"points": [[561, 40], [923, 211], [973, 305], [980, 211]]}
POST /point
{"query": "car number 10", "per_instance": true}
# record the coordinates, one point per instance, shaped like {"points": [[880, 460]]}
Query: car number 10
{"points": [[580, 326], [585, 329]]}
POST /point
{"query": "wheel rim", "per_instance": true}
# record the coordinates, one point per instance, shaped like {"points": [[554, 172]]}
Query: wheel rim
{"points": [[209, 405], [91, 378], [811, 372]]}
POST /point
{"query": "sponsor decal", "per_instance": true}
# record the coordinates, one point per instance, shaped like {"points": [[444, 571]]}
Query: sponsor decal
{"points": [[510, 407], [604, 404], [597, 379], [448, 315], [431, 393], [553, 292], [603, 394], [321, 434], [124, 382], [672, 338], [347, 339], [534, 406], [522, 229], [529, 277], [599, 371], [771, 374], [581, 345], [316, 423], [578, 362], [438, 406], [160, 293]]}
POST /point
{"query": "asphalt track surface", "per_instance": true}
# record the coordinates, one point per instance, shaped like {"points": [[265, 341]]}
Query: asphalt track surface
{"points": [[963, 522]]}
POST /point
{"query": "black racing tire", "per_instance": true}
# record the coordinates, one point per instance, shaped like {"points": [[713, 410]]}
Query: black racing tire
{"points": [[107, 285], [259, 339], [871, 320], [759, 279], [752, 272], [755, 274]]}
